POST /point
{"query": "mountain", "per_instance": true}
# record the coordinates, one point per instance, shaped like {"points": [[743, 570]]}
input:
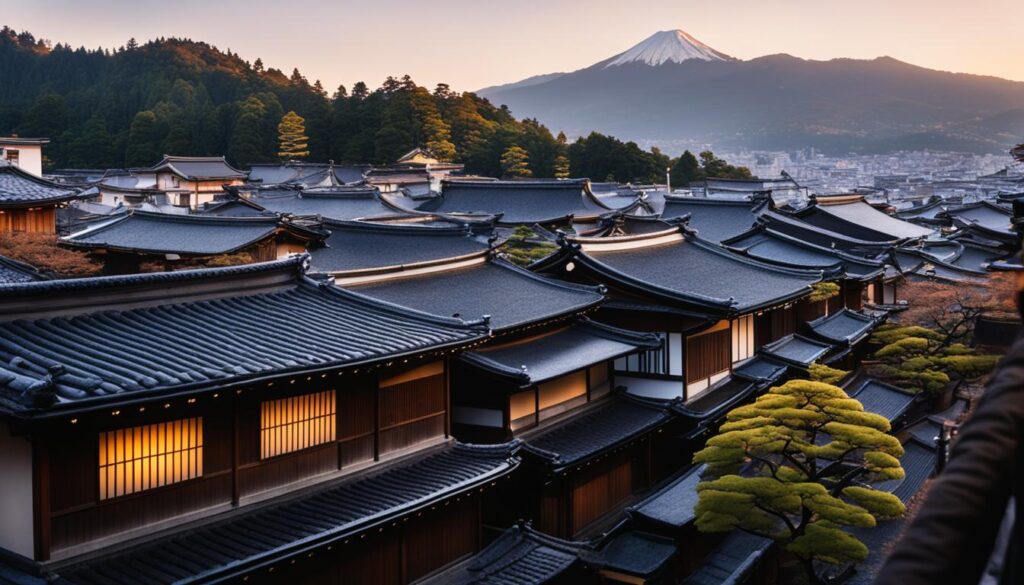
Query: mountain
{"points": [[675, 91]]}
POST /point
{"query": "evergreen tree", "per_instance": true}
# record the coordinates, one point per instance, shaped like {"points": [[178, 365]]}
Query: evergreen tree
{"points": [[144, 139], [257, 65], [93, 147], [291, 133], [809, 454], [685, 170], [247, 138], [562, 167], [515, 162]]}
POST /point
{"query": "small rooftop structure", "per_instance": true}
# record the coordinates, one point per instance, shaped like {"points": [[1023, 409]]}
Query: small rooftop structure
{"points": [[526, 202], [198, 168]]}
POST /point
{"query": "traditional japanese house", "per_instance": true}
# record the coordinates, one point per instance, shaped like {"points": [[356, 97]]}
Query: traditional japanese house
{"points": [[711, 309], [191, 181], [985, 224], [303, 175], [336, 203], [548, 202], [852, 216], [242, 423], [28, 203], [124, 243], [716, 220], [854, 273], [545, 378]]}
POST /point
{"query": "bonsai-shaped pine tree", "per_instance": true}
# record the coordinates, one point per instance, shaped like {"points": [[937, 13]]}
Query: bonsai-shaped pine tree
{"points": [[823, 291], [797, 466], [822, 373], [515, 162], [291, 133], [920, 358]]}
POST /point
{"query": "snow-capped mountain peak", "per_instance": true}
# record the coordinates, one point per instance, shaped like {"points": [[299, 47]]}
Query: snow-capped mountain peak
{"points": [[673, 46]]}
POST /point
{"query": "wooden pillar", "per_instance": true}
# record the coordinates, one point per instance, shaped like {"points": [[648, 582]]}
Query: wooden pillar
{"points": [[376, 417], [235, 451], [41, 497], [447, 398]]}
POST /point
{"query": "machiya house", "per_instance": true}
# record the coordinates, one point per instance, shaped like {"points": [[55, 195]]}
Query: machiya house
{"points": [[711, 309], [544, 378], [28, 202], [243, 422]]}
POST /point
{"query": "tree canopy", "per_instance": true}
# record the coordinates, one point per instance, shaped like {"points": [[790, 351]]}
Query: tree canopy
{"points": [[184, 97], [797, 466]]}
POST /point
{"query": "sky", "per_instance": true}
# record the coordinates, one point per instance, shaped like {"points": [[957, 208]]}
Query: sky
{"points": [[471, 44]]}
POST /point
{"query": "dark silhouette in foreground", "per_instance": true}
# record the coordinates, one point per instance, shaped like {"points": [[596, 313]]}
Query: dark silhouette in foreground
{"points": [[957, 530]]}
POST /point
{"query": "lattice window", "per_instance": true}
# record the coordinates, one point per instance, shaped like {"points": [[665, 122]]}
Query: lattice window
{"points": [[146, 457], [296, 423]]}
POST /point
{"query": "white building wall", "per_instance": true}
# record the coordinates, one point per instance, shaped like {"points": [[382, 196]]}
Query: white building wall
{"points": [[30, 157], [16, 528]]}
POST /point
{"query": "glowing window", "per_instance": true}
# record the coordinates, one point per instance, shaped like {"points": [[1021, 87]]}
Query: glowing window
{"points": [[296, 423], [150, 456]]}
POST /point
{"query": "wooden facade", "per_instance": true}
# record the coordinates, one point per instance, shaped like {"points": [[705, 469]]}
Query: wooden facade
{"points": [[375, 420], [31, 220]]}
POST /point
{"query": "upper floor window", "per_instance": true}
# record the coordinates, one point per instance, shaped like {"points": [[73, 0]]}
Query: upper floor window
{"points": [[12, 156], [149, 456]]}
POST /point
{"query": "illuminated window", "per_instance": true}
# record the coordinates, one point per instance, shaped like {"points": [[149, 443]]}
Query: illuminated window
{"points": [[150, 456], [299, 422]]}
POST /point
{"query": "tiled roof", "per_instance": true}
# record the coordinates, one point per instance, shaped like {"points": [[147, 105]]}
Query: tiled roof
{"points": [[698, 273], [796, 350], [12, 272], [610, 422], [238, 544], [512, 296], [860, 220], [843, 327], [198, 168], [635, 553], [797, 228], [716, 219], [778, 248], [343, 203], [161, 233], [883, 399], [670, 507], [101, 339], [760, 368], [984, 214], [19, 188], [520, 556], [714, 401], [732, 562], [519, 202], [362, 245], [573, 348], [237, 207]]}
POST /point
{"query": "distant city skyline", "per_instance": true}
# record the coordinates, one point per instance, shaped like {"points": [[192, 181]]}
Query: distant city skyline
{"points": [[470, 45]]}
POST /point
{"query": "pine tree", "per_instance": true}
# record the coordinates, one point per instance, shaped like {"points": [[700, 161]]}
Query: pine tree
{"points": [[291, 133], [808, 455], [257, 65], [515, 162], [246, 141], [562, 167], [685, 170], [144, 138]]}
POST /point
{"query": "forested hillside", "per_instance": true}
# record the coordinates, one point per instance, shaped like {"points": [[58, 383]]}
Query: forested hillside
{"points": [[128, 106]]}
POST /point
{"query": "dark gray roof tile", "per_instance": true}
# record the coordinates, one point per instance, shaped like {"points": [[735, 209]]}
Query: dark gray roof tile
{"points": [[21, 188], [796, 350]]}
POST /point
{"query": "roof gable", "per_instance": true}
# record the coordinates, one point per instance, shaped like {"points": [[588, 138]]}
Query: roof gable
{"points": [[19, 188]]}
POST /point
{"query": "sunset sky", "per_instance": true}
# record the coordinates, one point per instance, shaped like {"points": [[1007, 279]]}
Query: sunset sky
{"points": [[475, 43]]}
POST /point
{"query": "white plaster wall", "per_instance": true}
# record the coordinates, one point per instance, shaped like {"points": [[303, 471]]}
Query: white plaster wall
{"points": [[16, 528], [30, 157]]}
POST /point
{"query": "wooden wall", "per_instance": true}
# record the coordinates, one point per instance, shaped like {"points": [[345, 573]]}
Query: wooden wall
{"points": [[34, 220], [708, 354], [371, 423]]}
